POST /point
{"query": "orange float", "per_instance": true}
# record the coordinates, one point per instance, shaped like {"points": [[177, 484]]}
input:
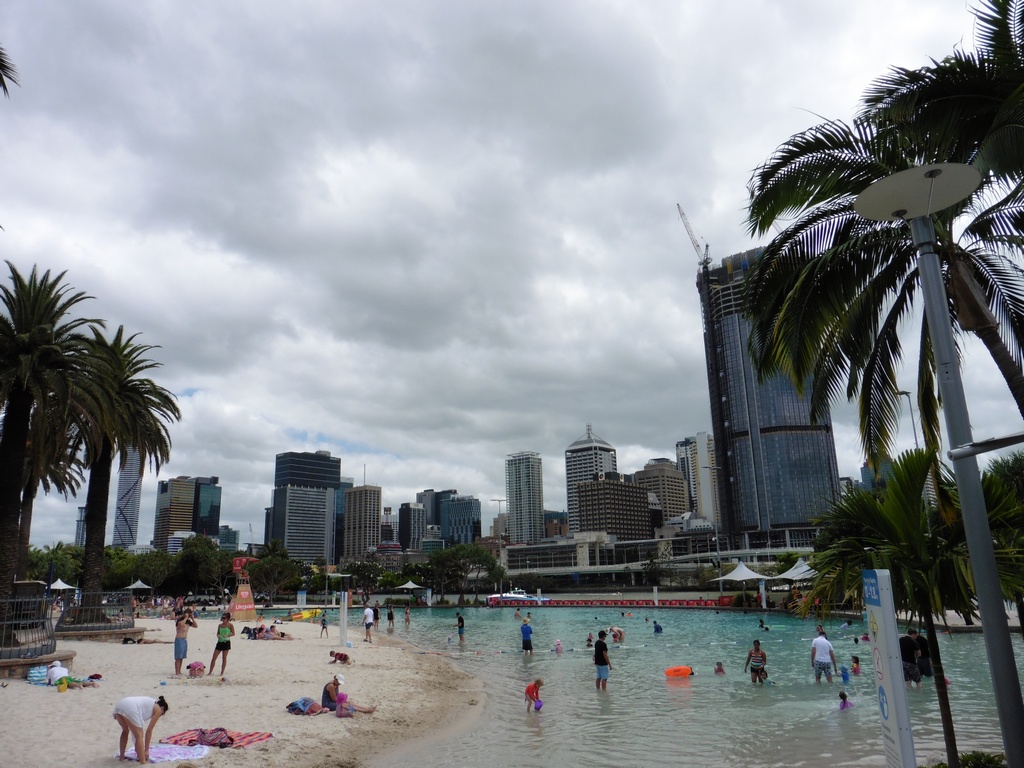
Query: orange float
{"points": [[681, 671]]}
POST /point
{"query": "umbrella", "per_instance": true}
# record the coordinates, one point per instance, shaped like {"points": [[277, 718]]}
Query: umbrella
{"points": [[58, 584], [410, 585], [140, 584], [801, 571], [740, 573]]}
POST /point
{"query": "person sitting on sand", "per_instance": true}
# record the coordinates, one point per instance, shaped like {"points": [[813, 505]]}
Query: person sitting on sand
{"points": [[196, 669], [338, 657], [274, 634], [333, 698]]}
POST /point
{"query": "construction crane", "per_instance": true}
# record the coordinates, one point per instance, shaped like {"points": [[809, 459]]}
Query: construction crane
{"points": [[705, 256]]}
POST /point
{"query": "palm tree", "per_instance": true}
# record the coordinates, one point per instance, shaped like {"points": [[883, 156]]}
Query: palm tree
{"points": [[831, 293], [130, 411], [1010, 470], [924, 549], [8, 74], [43, 355]]}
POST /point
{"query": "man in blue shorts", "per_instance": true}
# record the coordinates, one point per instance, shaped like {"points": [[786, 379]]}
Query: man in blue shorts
{"points": [[602, 663], [181, 627], [527, 631]]}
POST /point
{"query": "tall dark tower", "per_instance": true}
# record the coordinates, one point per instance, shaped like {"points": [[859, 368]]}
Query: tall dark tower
{"points": [[776, 470]]}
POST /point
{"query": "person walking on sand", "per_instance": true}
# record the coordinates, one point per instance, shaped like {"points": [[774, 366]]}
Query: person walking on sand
{"points": [[368, 624], [225, 631], [602, 663], [181, 628], [527, 631], [756, 660], [131, 714], [461, 624], [823, 658]]}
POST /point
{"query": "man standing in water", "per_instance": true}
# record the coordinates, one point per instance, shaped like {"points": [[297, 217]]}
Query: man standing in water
{"points": [[368, 623], [602, 663], [527, 631], [823, 657], [461, 624]]}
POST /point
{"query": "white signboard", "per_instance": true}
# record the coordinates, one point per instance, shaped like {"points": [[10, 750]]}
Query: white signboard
{"points": [[897, 739]]}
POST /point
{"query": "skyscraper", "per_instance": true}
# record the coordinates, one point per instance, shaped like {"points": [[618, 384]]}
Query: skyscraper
{"points": [[524, 489], [695, 457], [304, 511], [412, 525], [668, 484], [776, 469], [588, 456], [129, 494], [186, 504], [362, 521], [80, 528], [460, 519], [615, 504]]}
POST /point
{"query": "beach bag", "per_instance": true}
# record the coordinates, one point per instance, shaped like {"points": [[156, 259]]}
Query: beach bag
{"points": [[344, 710], [36, 675], [215, 737], [304, 706]]}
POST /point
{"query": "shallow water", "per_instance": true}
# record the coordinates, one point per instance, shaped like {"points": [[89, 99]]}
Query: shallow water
{"points": [[645, 718]]}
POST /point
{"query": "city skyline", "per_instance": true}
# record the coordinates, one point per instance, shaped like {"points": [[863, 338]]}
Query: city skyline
{"points": [[422, 274]]}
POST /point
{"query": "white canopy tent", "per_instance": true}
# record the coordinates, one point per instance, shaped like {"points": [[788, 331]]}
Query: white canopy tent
{"points": [[139, 584], [741, 573], [800, 571], [410, 585], [58, 585]]}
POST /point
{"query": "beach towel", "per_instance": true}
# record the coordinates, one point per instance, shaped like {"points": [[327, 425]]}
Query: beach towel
{"points": [[196, 736], [166, 754]]}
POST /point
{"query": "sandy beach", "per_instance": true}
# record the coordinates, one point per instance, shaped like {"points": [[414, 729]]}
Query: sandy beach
{"points": [[417, 696]]}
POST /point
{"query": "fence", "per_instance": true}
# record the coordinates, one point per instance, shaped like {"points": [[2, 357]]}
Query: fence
{"points": [[96, 611], [25, 627]]}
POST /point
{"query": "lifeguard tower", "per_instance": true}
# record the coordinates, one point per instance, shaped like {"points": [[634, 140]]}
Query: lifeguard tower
{"points": [[243, 607]]}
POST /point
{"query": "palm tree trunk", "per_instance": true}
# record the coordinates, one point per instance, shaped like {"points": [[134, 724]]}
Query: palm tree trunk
{"points": [[1019, 600], [28, 498], [1011, 372], [96, 531], [945, 713], [13, 442]]}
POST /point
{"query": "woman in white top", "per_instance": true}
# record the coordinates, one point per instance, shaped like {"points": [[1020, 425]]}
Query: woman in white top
{"points": [[131, 714]]}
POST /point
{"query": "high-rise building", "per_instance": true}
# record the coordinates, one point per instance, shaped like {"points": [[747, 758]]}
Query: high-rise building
{"points": [[362, 521], [555, 524], [460, 519], [186, 504], [129, 494], [524, 489], [499, 528], [668, 484], [433, 503], [616, 505], [776, 470], [80, 528], [412, 525], [228, 539], [695, 457], [304, 510], [585, 458], [388, 526]]}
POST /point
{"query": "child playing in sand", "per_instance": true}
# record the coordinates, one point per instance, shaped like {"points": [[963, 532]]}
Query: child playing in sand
{"points": [[337, 657], [844, 702], [196, 669], [533, 694]]}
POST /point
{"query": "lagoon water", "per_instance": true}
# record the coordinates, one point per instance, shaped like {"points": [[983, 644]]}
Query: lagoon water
{"points": [[707, 720]]}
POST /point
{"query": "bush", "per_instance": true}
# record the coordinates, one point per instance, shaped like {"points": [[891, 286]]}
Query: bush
{"points": [[978, 760]]}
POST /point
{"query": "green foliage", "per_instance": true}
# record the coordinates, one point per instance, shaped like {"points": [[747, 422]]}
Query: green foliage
{"points": [[366, 574], [273, 573], [978, 760]]}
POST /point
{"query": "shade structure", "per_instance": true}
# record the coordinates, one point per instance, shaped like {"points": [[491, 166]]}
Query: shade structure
{"points": [[410, 585], [139, 584], [741, 573], [800, 571], [58, 584]]}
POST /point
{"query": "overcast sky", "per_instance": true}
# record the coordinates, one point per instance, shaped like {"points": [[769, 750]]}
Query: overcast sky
{"points": [[421, 235]]}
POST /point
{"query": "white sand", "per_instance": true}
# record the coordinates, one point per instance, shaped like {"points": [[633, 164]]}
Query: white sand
{"points": [[417, 695]]}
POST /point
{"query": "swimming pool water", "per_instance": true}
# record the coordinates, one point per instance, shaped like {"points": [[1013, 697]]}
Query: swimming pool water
{"points": [[645, 718]]}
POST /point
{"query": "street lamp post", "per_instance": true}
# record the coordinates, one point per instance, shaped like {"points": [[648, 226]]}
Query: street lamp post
{"points": [[914, 195], [913, 423]]}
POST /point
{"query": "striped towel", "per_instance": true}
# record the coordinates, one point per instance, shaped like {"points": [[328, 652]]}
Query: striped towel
{"points": [[193, 737], [165, 754]]}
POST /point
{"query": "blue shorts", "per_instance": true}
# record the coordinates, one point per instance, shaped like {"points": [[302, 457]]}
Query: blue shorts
{"points": [[602, 671], [368, 625], [462, 631], [180, 648]]}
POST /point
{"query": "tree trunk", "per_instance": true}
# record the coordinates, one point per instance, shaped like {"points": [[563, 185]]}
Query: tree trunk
{"points": [[95, 532], [13, 445], [1003, 359], [28, 499], [945, 713], [1019, 600]]}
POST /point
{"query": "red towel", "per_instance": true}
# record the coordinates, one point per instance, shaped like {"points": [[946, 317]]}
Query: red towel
{"points": [[192, 738]]}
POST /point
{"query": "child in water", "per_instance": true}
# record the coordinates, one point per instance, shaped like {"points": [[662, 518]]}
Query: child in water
{"points": [[719, 669], [533, 694], [844, 702], [855, 661]]}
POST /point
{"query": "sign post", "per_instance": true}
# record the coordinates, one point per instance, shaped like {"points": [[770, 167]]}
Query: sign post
{"points": [[897, 739]]}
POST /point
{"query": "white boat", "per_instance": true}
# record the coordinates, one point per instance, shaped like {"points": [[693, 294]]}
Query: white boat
{"points": [[516, 595]]}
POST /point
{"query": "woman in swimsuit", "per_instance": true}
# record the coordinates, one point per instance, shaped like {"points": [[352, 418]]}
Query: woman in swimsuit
{"points": [[225, 631], [756, 659]]}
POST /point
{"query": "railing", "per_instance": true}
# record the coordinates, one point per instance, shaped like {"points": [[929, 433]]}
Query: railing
{"points": [[95, 611], [25, 628]]}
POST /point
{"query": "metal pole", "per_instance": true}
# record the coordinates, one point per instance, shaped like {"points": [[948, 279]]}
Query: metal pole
{"points": [[1002, 667], [913, 423]]}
